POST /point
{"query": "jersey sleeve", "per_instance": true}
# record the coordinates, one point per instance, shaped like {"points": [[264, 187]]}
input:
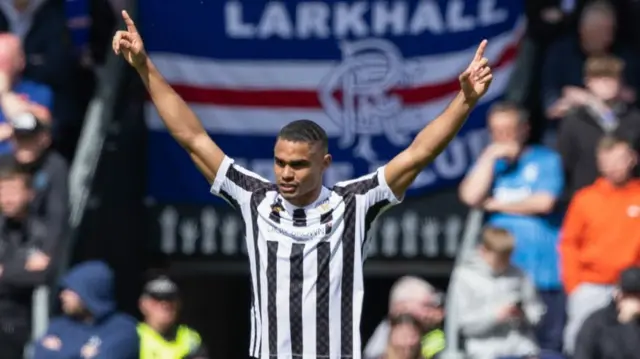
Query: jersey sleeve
{"points": [[372, 193], [235, 184]]}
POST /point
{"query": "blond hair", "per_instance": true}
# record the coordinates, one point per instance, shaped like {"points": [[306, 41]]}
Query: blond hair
{"points": [[497, 240], [608, 142], [508, 106], [603, 66]]}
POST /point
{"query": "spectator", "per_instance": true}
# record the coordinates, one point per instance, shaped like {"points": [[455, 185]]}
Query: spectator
{"points": [[12, 82], [24, 263], [160, 335], [600, 235], [403, 341], [497, 305], [90, 327], [563, 77], [601, 113], [519, 185], [614, 332], [32, 144], [625, 10], [547, 20], [414, 296], [41, 27]]}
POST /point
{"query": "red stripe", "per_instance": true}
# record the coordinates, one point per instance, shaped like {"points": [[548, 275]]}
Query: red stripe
{"points": [[309, 98]]}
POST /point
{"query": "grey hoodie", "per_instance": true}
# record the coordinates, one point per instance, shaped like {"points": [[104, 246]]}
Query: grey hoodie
{"points": [[479, 294]]}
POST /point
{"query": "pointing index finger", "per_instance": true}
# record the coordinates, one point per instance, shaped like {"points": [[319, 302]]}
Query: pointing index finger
{"points": [[131, 27], [480, 50]]}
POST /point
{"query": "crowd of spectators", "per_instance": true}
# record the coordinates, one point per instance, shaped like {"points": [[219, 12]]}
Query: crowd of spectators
{"points": [[92, 327], [557, 272], [413, 328], [50, 55]]}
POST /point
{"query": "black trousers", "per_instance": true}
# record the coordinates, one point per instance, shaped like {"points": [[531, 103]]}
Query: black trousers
{"points": [[14, 335]]}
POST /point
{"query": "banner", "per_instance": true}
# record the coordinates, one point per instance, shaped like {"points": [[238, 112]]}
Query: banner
{"points": [[428, 228], [372, 73]]}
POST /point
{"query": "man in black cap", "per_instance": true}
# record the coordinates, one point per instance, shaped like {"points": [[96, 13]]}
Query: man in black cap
{"points": [[161, 337], [614, 332]]}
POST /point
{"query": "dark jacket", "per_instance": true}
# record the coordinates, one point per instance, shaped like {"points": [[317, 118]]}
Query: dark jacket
{"points": [[603, 337], [17, 241], [578, 137], [537, 28], [51, 197], [110, 335]]}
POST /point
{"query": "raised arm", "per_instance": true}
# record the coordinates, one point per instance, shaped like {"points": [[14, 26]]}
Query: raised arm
{"points": [[401, 171], [182, 123]]}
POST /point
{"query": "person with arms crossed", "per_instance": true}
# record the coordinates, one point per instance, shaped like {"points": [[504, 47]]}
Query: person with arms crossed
{"points": [[305, 241]]}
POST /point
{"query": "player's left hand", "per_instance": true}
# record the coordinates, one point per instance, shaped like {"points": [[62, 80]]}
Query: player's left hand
{"points": [[475, 80], [129, 43]]}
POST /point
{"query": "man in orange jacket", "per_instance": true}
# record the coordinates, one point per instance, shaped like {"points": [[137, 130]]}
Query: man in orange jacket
{"points": [[600, 235]]}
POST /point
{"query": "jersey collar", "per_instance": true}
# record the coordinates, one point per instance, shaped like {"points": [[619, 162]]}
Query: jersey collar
{"points": [[323, 197]]}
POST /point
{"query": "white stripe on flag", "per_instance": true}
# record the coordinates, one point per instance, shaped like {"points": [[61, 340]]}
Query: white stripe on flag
{"points": [[277, 75], [268, 121]]}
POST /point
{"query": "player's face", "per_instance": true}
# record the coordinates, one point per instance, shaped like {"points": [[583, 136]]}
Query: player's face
{"points": [[298, 168]]}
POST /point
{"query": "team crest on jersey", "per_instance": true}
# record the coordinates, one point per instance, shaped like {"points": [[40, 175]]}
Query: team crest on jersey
{"points": [[324, 208], [277, 207]]}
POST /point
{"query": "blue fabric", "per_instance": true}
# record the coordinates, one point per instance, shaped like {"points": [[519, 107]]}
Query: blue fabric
{"points": [[550, 329], [538, 170], [78, 14], [110, 335], [36, 92]]}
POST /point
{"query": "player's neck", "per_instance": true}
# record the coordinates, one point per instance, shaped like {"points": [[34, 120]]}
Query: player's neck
{"points": [[307, 198]]}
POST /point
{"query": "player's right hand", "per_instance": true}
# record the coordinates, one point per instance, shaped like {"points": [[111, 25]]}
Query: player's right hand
{"points": [[129, 43]]}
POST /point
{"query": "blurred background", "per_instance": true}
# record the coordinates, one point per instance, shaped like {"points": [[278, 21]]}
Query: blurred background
{"points": [[547, 160]]}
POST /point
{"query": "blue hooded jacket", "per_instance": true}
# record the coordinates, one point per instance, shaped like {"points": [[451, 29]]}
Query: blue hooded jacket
{"points": [[111, 335]]}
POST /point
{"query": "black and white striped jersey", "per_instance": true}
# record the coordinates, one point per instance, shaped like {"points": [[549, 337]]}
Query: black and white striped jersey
{"points": [[306, 263]]}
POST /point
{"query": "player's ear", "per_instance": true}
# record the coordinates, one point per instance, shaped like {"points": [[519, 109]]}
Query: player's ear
{"points": [[326, 161]]}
